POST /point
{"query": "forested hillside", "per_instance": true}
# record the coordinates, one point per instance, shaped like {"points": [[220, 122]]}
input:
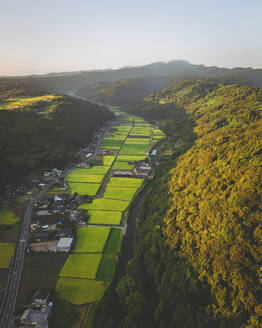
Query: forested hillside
{"points": [[123, 92], [40, 131], [197, 250]]}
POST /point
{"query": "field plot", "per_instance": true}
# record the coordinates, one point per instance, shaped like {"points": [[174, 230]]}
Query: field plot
{"points": [[128, 158], [158, 132], [114, 242], [112, 143], [96, 170], [108, 159], [105, 204], [7, 217], [123, 166], [120, 192], [81, 266], [92, 178], [135, 141], [104, 217], [158, 137], [7, 250], [84, 188], [137, 130], [91, 239], [80, 291], [106, 269], [125, 182], [138, 149]]}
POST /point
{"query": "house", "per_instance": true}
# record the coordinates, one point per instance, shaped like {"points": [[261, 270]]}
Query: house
{"points": [[41, 298], [36, 318], [58, 199], [83, 165], [142, 171], [63, 245], [43, 236], [43, 212]]}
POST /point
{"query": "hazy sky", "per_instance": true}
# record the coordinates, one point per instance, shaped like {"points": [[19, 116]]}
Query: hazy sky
{"points": [[40, 36]]}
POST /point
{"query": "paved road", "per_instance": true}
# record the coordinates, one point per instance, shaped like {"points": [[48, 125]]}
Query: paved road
{"points": [[15, 272]]}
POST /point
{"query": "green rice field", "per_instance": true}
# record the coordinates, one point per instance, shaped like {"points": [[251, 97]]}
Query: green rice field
{"points": [[128, 158], [7, 217], [125, 182], [80, 291], [123, 166], [138, 149], [137, 141], [7, 250], [106, 269], [97, 170], [84, 188], [91, 239], [105, 204], [104, 217], [81, 266], [92, 178], [114, 242], [108, 159], [120, 192]]}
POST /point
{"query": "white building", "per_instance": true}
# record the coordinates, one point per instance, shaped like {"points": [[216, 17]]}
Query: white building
{"points": [[63, 245]]}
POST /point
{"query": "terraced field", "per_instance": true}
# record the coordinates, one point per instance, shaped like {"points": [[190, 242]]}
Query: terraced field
{"points": [[91, 266]]}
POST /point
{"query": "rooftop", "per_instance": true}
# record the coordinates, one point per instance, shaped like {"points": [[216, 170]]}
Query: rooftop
{"points": [[65, 242]]}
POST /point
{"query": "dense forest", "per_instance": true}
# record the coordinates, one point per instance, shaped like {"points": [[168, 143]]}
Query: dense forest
{"points": [[41, 131], [197, 250]]}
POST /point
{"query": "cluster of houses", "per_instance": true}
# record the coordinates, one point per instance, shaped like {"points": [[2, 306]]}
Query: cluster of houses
{"points": [[54, 173], [38, 313]]}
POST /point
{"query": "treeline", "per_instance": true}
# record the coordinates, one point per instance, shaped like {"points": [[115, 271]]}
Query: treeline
{"points": [[31, 139], [197, 249]]}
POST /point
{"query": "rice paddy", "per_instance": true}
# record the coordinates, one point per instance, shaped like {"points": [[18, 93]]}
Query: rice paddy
{"points": [[120, 193], [83, 266], [104, 217], [105, 204], [106, 269], [84, 188], [80, 291], [125, 182], [91, 239]]}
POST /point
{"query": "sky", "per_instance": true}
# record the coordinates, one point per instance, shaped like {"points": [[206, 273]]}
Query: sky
{"points": [[42, 36]]}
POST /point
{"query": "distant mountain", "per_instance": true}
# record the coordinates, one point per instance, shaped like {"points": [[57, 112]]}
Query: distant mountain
{"points": [[71, 81]]}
